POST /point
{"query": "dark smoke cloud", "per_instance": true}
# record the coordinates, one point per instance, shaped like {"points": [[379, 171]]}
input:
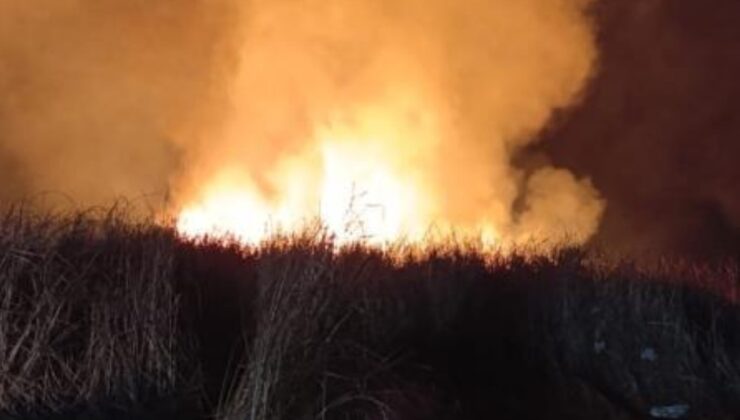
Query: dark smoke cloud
{"points": [[659, 129]]}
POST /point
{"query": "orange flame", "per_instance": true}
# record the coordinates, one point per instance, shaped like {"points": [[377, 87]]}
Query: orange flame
{"points": [[357, 178], [391, 121]]}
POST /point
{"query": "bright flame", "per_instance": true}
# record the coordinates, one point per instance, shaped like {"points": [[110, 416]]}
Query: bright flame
{"points": [[394, 121], [357, 179], [362, 195], [227, 208]]}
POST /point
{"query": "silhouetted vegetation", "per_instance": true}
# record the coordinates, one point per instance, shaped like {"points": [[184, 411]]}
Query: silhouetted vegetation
{"points": [[102, 317]]}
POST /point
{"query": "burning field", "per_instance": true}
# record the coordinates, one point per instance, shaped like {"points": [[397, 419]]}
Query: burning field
{"points": [[391, 209], [386, 121]]}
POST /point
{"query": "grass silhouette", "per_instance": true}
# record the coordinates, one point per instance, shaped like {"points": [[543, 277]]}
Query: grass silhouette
{"points": [[105, 317]]}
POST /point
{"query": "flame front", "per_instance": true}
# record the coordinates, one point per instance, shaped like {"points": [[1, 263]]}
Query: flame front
{"points": [[393, 121], [354, 176]]}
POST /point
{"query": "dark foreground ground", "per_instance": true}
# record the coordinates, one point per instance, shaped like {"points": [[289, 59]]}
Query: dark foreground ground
{"points": [[112, 320]]}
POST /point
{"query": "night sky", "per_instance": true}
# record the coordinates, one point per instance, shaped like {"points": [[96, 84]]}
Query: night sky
{"points": [[658, 130]]}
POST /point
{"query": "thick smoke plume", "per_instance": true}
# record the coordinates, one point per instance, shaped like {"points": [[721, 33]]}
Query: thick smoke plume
{"points": [[443, 93], [92, 93], [103, 98]]}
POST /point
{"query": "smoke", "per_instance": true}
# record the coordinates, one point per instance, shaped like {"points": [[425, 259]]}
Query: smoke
{"points": [[106, 98], [553, 197], [441, 94], [92, 93], [659, 131], [102, 99]]}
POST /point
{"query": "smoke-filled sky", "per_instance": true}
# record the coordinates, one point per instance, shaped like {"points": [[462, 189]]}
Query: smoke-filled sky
{"points": [[112, 98], [91, 92]]}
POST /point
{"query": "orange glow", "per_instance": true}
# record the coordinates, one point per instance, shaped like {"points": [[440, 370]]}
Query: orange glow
{"points": [[356, 178], [393, 122]]}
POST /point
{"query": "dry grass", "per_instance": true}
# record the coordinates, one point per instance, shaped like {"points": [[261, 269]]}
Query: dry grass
{"points": [[97, 311], [88, 313]]}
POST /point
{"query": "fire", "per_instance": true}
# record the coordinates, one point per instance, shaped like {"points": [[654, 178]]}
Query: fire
{"points": [[361, 195], [356, 178], [391, 122]]}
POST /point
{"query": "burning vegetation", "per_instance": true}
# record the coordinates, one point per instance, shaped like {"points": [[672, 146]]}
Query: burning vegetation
{"points": [[394, 120], [346, 216], [391, 120]]}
